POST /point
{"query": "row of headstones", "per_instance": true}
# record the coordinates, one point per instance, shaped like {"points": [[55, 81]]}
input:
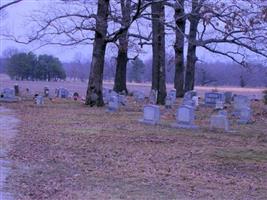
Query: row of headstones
{"points": [[11, 94], [114, 100], [185, 114]]}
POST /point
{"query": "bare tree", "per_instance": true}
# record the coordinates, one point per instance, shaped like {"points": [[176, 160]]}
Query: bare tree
{"points": [[158, 47], [180, 20], [122, 57]]}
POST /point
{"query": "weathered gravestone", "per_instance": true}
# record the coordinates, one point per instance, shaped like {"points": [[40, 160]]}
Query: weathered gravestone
{"points": [[113, 104], [195, 100], [240, 102], [16, 89], [245, 115], [219, 105], [46, 92], [39, 100], [220, 121], [212, 97], [153, 96], [62, 93], [228, 97], [8, 95], [168, 102], [151, 115], [139, 96], [185, 116], [75, 96], [172, 94], [106, 95], [189, 95]]}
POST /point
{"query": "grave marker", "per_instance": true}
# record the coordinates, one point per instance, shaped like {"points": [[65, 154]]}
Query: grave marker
{"points": [[39, 100], [151, 115], [240, 102], [212, 97], [220, 121], [185, 116], [153, 96], [245, 115], [113, 104], [46, 92]]}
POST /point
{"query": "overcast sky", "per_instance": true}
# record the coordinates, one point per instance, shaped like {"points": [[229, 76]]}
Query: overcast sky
{"points": [[15, 20]]}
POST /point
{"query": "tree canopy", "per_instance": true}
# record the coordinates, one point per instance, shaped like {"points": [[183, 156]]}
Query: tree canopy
{"points": [[28, 66]]}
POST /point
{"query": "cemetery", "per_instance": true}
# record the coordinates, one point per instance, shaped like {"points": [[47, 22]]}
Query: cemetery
{"points": [[136, 135], [133, 100]]}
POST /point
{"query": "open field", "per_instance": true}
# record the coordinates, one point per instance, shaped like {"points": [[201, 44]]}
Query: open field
{"points": [[66, 150]]}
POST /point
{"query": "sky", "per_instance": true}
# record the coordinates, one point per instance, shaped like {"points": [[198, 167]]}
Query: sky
{"points": [[15, 20]]}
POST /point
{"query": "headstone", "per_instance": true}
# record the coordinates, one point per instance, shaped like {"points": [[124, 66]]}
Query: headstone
{"points": [[46, 92], [220, 121], [75, 96], [62, 93], [189, 95], [228, 97], [106, 95], [245, 115], [8, 95], [168, 102], [39, 100], [151, 115], [113, 104], [212, 97], [219, 105], [153, 96], [240, 102], [16, 89], [172, 94], [139, 96], [195, 100], [185, 116]]}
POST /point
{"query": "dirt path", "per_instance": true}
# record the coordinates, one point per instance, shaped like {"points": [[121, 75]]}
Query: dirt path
{"points": [[8, 123]]}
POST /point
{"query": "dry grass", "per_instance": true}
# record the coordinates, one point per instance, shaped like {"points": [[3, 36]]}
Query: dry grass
{"points": [[66, 150]]}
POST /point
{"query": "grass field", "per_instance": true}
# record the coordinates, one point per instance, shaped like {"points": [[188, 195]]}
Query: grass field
{"points": [[66, 150]]}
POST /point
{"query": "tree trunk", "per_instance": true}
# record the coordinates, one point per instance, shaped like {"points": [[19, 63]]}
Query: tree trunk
{"points": [[192, 47], [158, 46], [94, 94], [179, 49], [122, 58]]}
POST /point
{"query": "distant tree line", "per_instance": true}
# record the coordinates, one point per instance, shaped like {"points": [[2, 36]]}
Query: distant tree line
{"points": [[28, 66]]}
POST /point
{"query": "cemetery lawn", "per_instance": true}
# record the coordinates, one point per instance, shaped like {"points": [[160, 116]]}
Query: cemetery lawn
{"points": [[66, 150]]}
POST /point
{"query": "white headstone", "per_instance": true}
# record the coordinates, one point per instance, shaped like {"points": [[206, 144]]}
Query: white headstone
{"points": [[39, 100], [113, 104], [219, 121], [151, 114], [245, 115], [185, 116], [219, 105], [195, 100], [240, 102]]}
